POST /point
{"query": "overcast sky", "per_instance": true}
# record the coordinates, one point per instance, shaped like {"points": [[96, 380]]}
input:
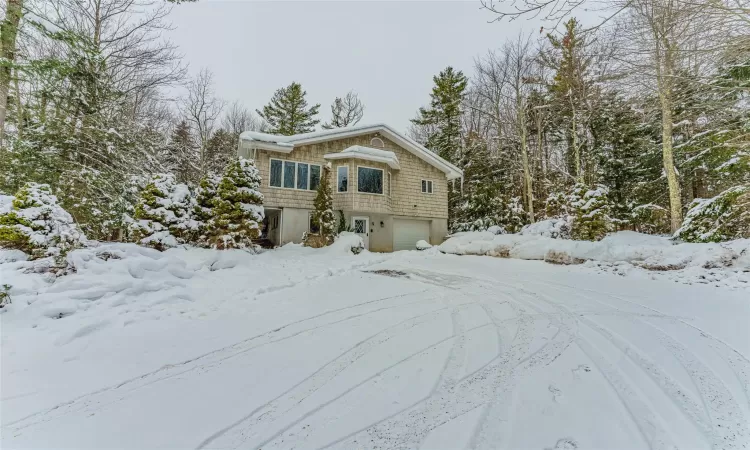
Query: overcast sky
{"points": [[387, 52]]}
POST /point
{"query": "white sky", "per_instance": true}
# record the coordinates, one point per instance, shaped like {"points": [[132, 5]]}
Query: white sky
{"points": [[386, 51]]}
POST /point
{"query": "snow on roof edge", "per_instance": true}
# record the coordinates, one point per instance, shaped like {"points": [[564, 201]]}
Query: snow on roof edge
{"points": [[302, 138]]}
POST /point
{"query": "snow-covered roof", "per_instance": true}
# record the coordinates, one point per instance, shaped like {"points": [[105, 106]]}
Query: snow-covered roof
{"points": [[285, 144], [368, 154]]}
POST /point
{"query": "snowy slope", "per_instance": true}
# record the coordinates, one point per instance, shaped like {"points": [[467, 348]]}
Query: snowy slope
{"points": [[298, 348]]}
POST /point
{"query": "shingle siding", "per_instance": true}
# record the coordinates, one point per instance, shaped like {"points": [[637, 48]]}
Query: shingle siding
{"points": [[406, 199]]}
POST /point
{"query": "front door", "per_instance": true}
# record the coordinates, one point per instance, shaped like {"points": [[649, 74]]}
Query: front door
{"points": [[361, 226]]}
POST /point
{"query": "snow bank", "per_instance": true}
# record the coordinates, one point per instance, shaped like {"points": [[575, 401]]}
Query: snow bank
{"points": [[551, 228], [423, 245], [640, 250]]}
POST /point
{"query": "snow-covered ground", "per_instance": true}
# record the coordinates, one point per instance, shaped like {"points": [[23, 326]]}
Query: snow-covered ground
{"points": [[303, 348]]}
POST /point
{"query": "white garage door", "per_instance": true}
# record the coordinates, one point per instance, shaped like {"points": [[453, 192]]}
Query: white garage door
{"points": [[406, 233]]}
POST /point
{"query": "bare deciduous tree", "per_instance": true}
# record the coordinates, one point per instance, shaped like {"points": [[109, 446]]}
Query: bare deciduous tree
{"points": [[237, 119], [201, 108], [345, 111]]}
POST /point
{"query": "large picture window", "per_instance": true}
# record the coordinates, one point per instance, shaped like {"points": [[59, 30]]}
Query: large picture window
{"points": [[369, 180], [294, 175], [342, 178]]}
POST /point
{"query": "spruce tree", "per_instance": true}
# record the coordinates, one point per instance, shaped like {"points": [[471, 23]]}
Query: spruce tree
{"points": [[592, 213], [288, 114], [180, 155], [205, 201], [444, 114], [164, 214], [323, 216], [220, 150], [238, 207]]}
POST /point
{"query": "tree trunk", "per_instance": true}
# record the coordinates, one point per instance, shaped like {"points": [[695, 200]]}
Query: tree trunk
{"points": [[8, 33], [525, 162], [665, 81]]}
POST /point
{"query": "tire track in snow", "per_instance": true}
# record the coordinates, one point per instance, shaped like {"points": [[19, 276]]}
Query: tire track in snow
{"points": [[280, 405], [272, 439], [730, 424], [205, 360], [723, 421]]}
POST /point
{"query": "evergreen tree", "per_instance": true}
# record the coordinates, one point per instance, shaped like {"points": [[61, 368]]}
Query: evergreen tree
{"points": [[221, 148], [592, 213], [205, 201], [288, 114], [480, 204], [164, 214], [33, 222], [181, 155], [322, 216], [238, 207], [444, 115], [720, 218]]}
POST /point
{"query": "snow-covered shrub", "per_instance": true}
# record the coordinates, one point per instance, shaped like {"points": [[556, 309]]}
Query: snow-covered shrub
{"points": [[33, 222], [592, 213], [164, 214], [322, 216], [203, 211], [650, 219], [556, 205], [721, 218], [238, 208], [556, 228], [5, 295], [507, 214]]}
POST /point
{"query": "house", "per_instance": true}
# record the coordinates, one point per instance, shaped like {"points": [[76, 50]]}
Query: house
{"points": [[390, 190]]}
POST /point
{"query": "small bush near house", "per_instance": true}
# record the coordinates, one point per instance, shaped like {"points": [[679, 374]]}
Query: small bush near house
{"points": [[164, 214], [322, 216], [238, 208], [721, 218], [34, 223]]}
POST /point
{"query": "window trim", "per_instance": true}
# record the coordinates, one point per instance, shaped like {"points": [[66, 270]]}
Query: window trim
{"points": [[348, 179], [296, 164], [382, 186], [372, 142], [427, 186]]}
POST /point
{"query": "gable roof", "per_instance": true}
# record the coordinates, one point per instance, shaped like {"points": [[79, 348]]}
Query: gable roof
{"points": [[285, 144]]}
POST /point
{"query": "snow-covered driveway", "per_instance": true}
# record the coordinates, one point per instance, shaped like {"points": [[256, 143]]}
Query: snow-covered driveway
{"points": [[411, 350]]}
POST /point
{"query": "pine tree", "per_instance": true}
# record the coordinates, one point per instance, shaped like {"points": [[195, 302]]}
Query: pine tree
{"points": [[221, 148], [720, 218], [238, 207], [322, 216], [205, 201], [444, 114], [33, 222], [592, 213], [164, 214], [288, 114], [180, 155], [479, 205]]}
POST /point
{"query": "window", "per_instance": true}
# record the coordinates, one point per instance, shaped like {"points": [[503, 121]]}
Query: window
{"points": [[377, 142], [389, 184], [294, 175], [314, 177], [426, 186], [369, 180], [275, 173], [312, 226], [342, 178], [302, 174], [289, 170]]}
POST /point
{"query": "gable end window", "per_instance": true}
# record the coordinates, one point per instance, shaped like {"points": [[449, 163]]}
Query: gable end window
{"points": [[294, 175], [369, 180], [342, 178], [427, 186]]}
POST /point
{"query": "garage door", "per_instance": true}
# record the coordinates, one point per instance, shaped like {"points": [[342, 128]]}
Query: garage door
{"points": [[406, 233]]}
